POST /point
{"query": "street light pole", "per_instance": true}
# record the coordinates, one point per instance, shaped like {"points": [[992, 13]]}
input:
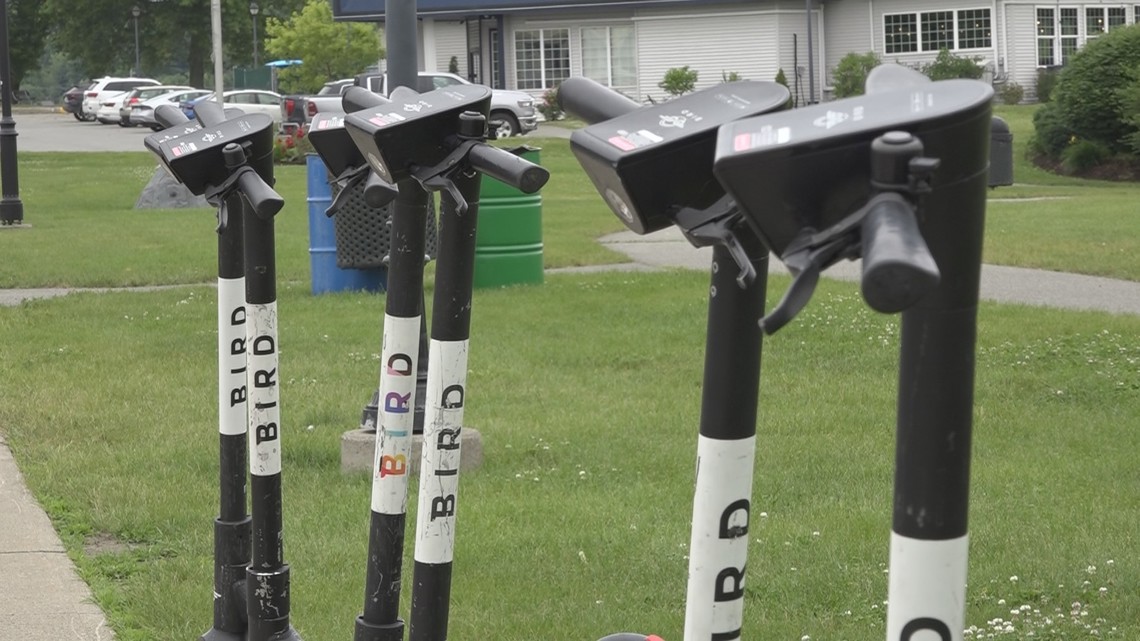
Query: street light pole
{"points": [[135, 11], [11, 208], [253, 10]]}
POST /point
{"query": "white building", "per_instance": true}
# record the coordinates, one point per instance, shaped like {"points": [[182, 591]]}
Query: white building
{"points": [[629, 44]]}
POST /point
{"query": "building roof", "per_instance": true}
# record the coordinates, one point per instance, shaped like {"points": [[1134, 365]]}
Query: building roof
{"points": [[374, 9]]}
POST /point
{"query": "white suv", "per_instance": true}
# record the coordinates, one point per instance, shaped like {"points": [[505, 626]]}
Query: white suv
{"points": [[107, 87]]}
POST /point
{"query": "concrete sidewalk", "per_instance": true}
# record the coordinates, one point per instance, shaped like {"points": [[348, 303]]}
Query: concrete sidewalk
{"points": [[1037, 287], [42, 598]]}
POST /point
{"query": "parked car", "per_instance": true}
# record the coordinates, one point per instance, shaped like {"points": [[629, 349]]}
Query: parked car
{"points": [[104, 89], [142, 113], [73, 101], [512, 112], [247, 100], [140, 94]]}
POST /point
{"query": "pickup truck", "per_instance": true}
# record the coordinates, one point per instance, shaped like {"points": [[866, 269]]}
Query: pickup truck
{"points": [[512, 111]]}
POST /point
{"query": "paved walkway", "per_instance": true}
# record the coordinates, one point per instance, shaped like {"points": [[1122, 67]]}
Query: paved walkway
{"points": [[42, 598]]}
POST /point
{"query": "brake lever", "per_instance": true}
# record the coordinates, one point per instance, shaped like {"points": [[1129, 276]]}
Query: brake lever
{"points": [[716, 225], [812, 253]]}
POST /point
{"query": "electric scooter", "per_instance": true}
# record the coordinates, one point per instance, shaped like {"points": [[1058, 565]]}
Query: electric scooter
{"points": [[438, 141], [653, 173], [817, 185], [230, 161]]}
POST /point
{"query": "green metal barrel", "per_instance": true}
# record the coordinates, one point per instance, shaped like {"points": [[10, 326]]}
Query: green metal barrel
{"points": [[508, 240]]}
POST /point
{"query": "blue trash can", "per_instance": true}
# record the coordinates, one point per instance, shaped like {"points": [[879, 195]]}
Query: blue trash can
{"points": [[326, 276]]}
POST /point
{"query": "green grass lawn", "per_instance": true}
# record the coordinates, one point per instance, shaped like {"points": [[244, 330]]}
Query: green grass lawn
{"points": [[586, 391]]}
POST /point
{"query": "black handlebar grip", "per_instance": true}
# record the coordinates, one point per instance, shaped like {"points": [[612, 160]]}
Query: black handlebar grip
{"points": [[377, 191], [357, 98], [169, 116], [209, 113], [592, 101], [898, 269], [506, 167], [262, 198]]}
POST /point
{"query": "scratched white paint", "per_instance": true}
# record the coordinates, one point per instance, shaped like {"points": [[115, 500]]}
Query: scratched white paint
{"points": [[439, 464]]}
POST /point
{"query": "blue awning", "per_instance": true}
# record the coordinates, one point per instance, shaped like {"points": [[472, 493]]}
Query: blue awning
{"points": [[283, 63]]}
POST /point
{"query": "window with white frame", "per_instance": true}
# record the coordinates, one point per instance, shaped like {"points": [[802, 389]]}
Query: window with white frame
{"points": [[1046, 38], [1101, 20], [1061, 31], [493, 36], [1070, 32], [542, 57], [936, 30], [609, 56]]}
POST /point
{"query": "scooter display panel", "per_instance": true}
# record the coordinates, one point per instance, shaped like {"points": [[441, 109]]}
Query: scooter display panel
{"points": [[333, 143], [414, 129], [194, 157], [810, 167], [651, 161]]}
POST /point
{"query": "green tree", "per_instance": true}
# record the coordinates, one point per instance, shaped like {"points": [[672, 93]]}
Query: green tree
{"points": [[850, 74], [329, 50], [175, 36], [27, 32]]}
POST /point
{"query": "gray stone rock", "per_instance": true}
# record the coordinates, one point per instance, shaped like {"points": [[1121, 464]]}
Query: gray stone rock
{"points": [[164, 192]]}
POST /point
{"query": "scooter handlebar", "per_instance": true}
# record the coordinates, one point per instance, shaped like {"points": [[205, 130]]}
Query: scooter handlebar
{"points": [[358, 98], [209, 112], [592, 101], [506, 167], [898, 269], [264, 200], [169, 116]]}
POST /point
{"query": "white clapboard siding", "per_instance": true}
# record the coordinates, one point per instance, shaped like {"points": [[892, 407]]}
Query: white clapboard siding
{"points": [[848, 30], [793, 50], [712, 45], [1021, 45], [450, 40]]}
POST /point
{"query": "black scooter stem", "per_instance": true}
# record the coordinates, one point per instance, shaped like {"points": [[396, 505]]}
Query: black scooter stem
{"points": [[443, 420], [380, 620], [267, 577]]}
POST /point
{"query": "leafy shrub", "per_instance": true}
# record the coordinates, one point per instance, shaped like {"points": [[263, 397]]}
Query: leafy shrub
{"points": [[948, 66], [730, 76], [549, 106], [1011, 93], [1130, 106], [1046, 82], [679, 80], [783, 80], [1088, 91], [1083, 155], [453, 65], [1052, 135], [850, 74]]}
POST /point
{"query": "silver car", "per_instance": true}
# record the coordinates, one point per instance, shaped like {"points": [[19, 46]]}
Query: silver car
{"points": [[142, 113]]}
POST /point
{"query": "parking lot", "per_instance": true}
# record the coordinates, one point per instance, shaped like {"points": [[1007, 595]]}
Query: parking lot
{"points": [[46, 131]]}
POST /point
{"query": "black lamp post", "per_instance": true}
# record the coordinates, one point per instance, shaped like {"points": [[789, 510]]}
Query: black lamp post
{"points": [[11, 209], [135, 11], [253, 10]]}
